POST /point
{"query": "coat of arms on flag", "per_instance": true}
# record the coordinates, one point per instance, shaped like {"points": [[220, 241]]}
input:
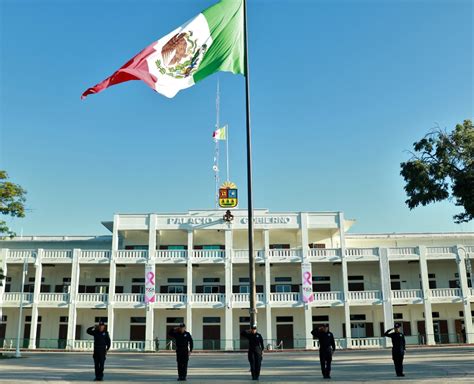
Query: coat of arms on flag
{"points": [[228, 197]]}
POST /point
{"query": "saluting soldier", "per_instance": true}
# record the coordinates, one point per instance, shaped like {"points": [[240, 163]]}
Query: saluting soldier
{"points": [[327, 346], [398, 348], [255, 352], [184, 347], [101, 346]]}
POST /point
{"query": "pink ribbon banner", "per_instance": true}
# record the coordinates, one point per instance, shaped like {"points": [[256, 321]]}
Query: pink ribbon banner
{"points": [[149, 284], [307, 286]]}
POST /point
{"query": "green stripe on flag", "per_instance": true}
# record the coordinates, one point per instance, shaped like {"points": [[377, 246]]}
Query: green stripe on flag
{"points": [[226, 53]]}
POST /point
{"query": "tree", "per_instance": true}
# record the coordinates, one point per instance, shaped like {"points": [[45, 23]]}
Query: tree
{"points": [[12, 202], [442, 167]]}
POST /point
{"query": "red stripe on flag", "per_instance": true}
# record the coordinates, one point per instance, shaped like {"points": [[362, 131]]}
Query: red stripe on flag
{"points": [[134, 69]]}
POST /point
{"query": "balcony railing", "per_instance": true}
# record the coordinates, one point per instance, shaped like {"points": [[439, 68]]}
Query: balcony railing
{"points": [[57, 254], [94, 255], [129, 297], [54, 297], [445, 292], [243, 254], [208, 298], [364, 295], [21, 254], [328, 296], [284, 253], [83, 345], [170, 298], [202, 254], [403, 251], [244, 298], [324, 252], [92, 297], [284, 297], [407, 294], [359, 252], [132, 254], [340, 343], [440, 250], [368, 342], [128, 345], [14, 297], [172, 254]]}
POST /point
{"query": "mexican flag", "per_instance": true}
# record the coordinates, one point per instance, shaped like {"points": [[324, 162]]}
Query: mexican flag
{"points": [[210, 42]]}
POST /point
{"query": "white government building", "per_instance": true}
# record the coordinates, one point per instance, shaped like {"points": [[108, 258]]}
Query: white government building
{"points": [[362, 283]]}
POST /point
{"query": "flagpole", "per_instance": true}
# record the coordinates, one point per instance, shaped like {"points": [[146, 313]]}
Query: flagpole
{"points": [[253, 292], [227, 150], [216, 154]]}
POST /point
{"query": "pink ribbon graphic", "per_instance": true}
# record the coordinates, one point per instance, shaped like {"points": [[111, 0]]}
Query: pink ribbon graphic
{"points": [[150, 278], [307, 278]]}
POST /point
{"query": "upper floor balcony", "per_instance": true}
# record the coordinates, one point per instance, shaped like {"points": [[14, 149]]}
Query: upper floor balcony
{"points": [[242, 256], [365, 254], [19, 255], [57, 256], [97, 300], [13, 299], [53, 299], [94, 256], [207, 300], [441, 252], [407, 296], [403, 253], [324, 254], [242, 300], [328, 298], [365, 297], [208, 255], [133, 256], [446, 295]]}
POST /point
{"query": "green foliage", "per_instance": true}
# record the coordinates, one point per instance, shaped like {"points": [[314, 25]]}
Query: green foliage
{"points": [[12, 202], [442, 167]]}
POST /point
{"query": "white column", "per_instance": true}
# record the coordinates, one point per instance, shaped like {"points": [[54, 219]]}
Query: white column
{"points": [[465, 292], [3, 265], [426, 296], [73, 288], [149, 332], [308, 310], [345, 280], [151, 237], [384, 265], [268, 282], [189, 283], [229, 337], [112, 277], [36, 294]]}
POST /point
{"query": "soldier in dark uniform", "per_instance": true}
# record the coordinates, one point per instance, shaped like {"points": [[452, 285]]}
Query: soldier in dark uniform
{"points": [[184, 347], [255, 352], [398, 348], [327, 346], [101, 346]]}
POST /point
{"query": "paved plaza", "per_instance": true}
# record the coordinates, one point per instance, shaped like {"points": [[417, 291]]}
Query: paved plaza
{"points": [[428, 365]]}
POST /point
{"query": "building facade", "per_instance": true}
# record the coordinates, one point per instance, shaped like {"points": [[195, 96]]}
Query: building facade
{"points": [[361, 283]]}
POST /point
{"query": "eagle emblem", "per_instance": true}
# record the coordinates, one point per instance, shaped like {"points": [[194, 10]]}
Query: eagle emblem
{"points": [[180, 56]]}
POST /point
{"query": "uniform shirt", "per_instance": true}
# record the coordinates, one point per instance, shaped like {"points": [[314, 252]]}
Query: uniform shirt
{"points": [[255, 341], [101, 339], [398, 341], [184, 341], [326, 340]]}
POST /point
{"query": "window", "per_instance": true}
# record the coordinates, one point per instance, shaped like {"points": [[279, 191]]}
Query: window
{"points": [[356, 283], [283, 288], [3, 319], [63, 319], [395, 283], [244, 285], [321, 283], [397, 316], [136, 247], [279, 246], [211, 280], [284, 319], [282, 279], [28, 319], [138, 285], [244, 319], [317, 245], [175, 280], [174, 320], [104, 319], [319, 319], [357, 317], [102, 280], [138, 320], [211, 320], [211, 288], [175, 288]]}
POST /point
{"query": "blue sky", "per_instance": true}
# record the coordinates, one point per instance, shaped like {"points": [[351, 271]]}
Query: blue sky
{"points": [[339, 89]]}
